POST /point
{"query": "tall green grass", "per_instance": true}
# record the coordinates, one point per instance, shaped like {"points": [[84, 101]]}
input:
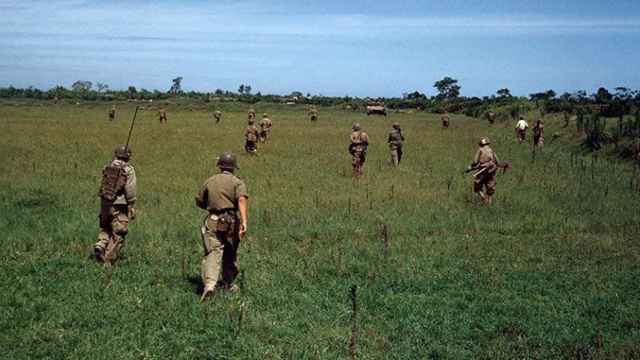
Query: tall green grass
{"points": [[549, 271]]}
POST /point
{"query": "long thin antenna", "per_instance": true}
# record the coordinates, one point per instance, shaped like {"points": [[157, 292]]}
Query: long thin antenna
{"points": [[131, 128]]}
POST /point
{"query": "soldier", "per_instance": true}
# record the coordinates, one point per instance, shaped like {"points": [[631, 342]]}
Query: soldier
{"points": [[225, 197], [217, 115], [395, 143], [162, 115], [313, 113], [117, 205], [358, 149], [521, 130], [265, 127], [112, 113], [538, 134], [445, 121], [251, 136], [491, 117], [485, 165], [251, 114]]}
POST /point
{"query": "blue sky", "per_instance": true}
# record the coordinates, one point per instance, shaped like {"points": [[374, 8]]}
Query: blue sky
{"points": [[361, 48]]}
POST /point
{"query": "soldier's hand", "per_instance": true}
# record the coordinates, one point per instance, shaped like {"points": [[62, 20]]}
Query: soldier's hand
{"points": [[243, 229], [132, 213]]}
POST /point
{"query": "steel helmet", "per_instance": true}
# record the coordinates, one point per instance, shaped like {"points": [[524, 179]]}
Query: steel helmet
{"points": [[122, 152], [485, 141], [396, 125], [227, 161], [356, 126]]}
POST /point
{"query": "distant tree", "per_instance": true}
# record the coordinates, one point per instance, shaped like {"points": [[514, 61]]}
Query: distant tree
{"points": [[219, 92], [296, 94], [622, 93], [504, 93], [602, 96], [448, 88], [176, 87], [82, 86], [102, 86], [131, 92], [416, 95], [247, 89], [550, 94], [241, 89]]}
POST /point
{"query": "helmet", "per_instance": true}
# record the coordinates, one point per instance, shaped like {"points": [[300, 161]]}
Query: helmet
{"points": [[265, 115], [356, 126], [485, 141], [122, 152], [227, 160], [396, 125]]}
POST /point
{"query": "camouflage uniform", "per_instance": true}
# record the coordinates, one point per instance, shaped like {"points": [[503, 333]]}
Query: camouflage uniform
{"points": [[358, 149], [265, 128], [112, 113], [117, 207], [251, 136], [221, 228], [162, 116], [538, 134], [484, 178], [218, 116], [445, 121], [395, 140]]}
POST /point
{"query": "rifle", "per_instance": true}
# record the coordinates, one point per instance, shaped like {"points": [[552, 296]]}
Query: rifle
{"points": [[126, 146], [504, 165]]}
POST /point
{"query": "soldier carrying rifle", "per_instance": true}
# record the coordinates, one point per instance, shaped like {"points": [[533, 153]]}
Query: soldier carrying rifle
{"points": [[485, 165]]}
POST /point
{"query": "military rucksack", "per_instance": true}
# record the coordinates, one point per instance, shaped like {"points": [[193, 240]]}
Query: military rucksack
{"points": [[114, 179]]}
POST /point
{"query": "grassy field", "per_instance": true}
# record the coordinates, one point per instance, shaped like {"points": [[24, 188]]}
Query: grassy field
{"points": [[549, 271]]}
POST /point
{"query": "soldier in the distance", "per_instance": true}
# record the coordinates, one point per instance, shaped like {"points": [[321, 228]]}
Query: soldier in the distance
{"points": [[395, 141], [225, 198], [265, 127], [485, 167], [445, 121], [251, 136], [162, 115], [358, 149], [112, 113], [117, 205], [313, 113], [538, 134], [491, 117], [521, 130], [217, 115]]}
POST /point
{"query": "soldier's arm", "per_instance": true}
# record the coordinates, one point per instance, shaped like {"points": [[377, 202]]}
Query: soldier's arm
{"points": [[202, 197], [131, 186], [243, 206], [476, 158]]}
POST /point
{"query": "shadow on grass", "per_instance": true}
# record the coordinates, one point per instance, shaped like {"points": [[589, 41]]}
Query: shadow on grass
{"points": [[196, 284]]}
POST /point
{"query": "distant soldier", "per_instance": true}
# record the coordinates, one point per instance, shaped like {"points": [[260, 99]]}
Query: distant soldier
{"points": [[112, 113], [538, 134], [251, 114], [251, 136], [265, 127], [217, 115], [445, 121], [225, 197], [485, 167], [117, 205], [313, 113], [491, 117], [358, 149], [395, 140], [162, 115], [521, 130]]}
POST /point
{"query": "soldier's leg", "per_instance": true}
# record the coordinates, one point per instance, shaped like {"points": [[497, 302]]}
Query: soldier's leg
{"points": [[478, 185], [394, 157], [491, 186], [399, 155], [212, 259], [354, 164], [230, 262], [105, 234], [120, 227]]}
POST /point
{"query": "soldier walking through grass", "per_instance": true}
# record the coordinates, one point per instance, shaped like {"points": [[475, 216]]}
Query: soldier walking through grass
{"points": [[445, 121], [265, 127], [162, 115], [358, 149], [395, 141], [521, 130], [491, 117], [117, 205], [217, 115], [484, 167], [225, 198], [538, 134], [251, 136], [112, 113], [313, 113]]}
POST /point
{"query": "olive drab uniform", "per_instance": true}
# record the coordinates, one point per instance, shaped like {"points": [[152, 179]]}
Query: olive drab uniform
{"points": [[484, 179], [220, 195], [112, 113], [117, 200], [251, 136], [162, 116], [358, 149], [538, 134], [395, 141], [265, 128]]}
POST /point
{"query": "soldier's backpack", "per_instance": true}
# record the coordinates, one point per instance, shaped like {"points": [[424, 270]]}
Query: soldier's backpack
{"points": [[113, 181]]}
